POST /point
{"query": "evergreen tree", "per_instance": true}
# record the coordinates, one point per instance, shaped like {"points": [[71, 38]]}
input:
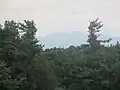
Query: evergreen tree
{"points": [[94, 28]]}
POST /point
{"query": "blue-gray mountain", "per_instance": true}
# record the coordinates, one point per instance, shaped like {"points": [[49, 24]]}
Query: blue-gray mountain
{"points": [[70, 38]]}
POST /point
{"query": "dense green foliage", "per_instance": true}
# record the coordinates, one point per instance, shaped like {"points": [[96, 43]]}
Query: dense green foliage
{"points": [[24, 65]]}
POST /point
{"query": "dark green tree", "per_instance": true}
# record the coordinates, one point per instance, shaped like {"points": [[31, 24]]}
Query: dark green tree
{"points": [[94, 28]]}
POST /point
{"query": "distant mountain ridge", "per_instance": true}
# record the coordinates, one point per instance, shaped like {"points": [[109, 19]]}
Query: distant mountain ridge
{"points": [[66, 39]]}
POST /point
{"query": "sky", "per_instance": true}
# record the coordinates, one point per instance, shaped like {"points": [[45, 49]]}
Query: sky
{"points": [[53, 16]]}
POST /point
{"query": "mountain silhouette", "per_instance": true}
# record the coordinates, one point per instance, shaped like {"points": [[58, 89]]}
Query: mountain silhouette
{"points": [[75, 38]]}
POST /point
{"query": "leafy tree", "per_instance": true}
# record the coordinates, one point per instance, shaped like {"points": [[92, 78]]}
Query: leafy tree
{"points": [[20, 50]]}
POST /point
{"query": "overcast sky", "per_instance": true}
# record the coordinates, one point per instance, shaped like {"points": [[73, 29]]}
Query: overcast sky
{"points": [[63, 15]]}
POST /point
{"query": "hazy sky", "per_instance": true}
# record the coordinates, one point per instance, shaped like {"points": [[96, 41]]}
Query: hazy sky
{"points": [[63, 15]]}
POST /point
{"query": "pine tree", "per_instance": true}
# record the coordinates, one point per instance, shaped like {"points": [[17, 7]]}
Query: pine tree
{"points": [[94, 28]]}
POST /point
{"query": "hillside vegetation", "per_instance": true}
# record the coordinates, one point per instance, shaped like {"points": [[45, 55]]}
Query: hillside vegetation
{"points": [[24, 65]]}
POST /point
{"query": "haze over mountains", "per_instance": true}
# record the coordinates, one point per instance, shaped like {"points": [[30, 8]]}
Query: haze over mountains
{"points": [[65, 39]]}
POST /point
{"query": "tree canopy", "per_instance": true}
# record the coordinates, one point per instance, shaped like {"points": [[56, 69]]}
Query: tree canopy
{"points": [[24, 65]]}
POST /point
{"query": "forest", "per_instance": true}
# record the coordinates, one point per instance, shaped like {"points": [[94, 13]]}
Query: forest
{"points": [[25, 65]]}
